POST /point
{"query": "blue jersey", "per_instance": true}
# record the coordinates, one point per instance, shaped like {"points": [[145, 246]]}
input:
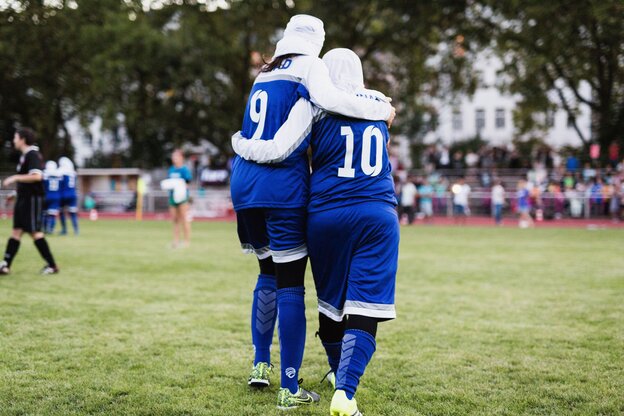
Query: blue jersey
{"points": [[68, 185], [52, 185], [279, 185], [349, 163]]}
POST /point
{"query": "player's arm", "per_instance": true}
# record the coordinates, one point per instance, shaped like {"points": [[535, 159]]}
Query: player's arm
{"points": [[31, 177], [287, 139], [324, 94], [35, 171]]}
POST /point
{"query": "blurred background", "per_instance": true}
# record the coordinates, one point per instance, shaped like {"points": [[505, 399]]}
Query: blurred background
{"points": [[493, 90]]}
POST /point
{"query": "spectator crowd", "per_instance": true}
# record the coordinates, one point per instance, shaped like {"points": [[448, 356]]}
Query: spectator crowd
{"points": [[494, 180]]}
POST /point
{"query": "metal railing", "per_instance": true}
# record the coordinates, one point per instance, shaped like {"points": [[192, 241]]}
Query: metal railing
{"points": [[548, 205], [205, 203], [216, 202]]}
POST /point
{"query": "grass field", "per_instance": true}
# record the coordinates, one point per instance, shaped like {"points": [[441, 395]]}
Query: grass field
{"points": [[491, 321]]}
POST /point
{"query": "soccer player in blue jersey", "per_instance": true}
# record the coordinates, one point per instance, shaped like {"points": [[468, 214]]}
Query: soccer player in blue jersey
{"points": [[179, 208], [353, 229], [69, 198], [270, 200], [52, 185]]}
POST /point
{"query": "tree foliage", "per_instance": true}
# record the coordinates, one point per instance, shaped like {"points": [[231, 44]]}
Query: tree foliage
{"points": [[180, 71], [554, 47]]}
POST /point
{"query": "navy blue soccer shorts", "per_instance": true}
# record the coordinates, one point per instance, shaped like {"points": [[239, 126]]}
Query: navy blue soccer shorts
{"points": [[53, 205], [277, 232], [71, 202], [354, 252]]}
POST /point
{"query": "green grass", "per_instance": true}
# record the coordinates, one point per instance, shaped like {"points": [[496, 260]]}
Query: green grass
{"points": [[490, 321]]}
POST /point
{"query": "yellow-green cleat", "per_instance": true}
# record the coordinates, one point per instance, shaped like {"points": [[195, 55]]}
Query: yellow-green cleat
{"points": [[342, 406], [287, 400], [260, 375]]}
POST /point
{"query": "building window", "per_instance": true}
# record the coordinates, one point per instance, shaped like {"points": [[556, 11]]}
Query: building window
{"points": [[480, 119], [500, 118], [571, 121], [457, 120]]}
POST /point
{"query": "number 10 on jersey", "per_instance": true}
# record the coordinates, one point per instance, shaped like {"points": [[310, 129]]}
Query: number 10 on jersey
{"points": [[347, 171]]}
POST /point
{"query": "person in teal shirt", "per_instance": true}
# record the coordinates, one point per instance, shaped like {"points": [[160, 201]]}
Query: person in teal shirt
{"points": [[425, 191], [178, 207]]}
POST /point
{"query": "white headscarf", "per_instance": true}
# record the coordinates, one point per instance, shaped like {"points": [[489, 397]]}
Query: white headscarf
{"points": [[304, 35], [345, 71], [51, 169], [66, 166]]}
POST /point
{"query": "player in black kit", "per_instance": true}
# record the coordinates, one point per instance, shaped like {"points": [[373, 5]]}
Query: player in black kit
{"points": [[28, 214]]}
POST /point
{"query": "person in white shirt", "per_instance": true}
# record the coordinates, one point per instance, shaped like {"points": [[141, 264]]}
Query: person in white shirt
{"points": [[461, 193], [408, 200], [498, 201]]}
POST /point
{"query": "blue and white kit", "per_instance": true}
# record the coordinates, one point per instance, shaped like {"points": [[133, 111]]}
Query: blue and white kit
{"points": [[352, 228], [52, 184], [267, 197], [68, 191]]}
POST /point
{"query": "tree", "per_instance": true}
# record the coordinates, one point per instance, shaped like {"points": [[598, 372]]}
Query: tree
{"points": [[40, 70], [557, 45], [180, 72]]}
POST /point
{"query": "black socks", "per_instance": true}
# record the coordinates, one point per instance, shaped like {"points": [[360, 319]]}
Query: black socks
{"points": [[11, 250], [44, 250]]}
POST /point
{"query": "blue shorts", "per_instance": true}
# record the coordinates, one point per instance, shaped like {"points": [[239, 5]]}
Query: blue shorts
{"points": [[53, 205], [354, 252], [277, 232], [71, 202]]}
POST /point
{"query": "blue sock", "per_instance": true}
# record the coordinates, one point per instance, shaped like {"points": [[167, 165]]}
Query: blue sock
{"points": [[263, 317], [357, 349], [63, 225], [333, 354], [51, 223], [74, 219], [292, 333]]}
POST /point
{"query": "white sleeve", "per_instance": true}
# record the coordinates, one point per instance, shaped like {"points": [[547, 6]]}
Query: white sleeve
{"points": [[286, 140], [324, 94]]}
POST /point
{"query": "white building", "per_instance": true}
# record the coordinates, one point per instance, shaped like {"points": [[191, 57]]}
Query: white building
{"points": [[489, 113]]}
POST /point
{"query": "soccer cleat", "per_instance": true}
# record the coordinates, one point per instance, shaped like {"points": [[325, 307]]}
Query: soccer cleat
{"points": [[260, 374], [330, 378], [4, 268], [287, 400], [342, 406], [49, 270]]}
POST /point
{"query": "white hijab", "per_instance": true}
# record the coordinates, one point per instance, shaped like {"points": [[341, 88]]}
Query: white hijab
{"points": [[304, 35], [345, 71], [66, 166]]}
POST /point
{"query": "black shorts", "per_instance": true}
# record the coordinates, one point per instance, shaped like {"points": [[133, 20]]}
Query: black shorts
{"points": [[28, 213]]}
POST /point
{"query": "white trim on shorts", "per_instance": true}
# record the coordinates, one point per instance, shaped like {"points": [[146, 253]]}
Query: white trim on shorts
{"points": [[329, 311], [352, 307], [292, 254], [262, 253]]}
